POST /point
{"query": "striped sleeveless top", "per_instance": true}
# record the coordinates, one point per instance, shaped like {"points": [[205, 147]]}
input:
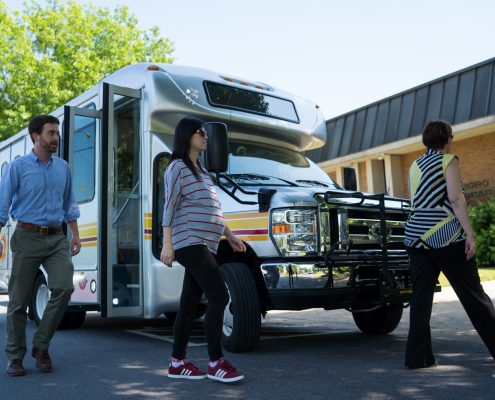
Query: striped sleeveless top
{"points": [[432, 222], [191, 208]]}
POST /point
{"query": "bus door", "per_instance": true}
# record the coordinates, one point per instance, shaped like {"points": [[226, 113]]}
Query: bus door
{"points": [[7, 155], [4, 236], [81, 134], [121, 222]]}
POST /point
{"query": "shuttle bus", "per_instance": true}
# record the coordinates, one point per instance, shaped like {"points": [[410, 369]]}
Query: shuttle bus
{"points": [[310, 243]]}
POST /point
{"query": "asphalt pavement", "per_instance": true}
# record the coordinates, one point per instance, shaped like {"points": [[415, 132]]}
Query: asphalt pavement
{"points": [[311, 354]]}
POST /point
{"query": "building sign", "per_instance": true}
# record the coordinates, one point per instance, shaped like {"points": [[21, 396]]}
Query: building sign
{"points": [[479, 191]]}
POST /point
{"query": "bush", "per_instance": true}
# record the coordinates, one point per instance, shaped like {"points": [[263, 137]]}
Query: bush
{"points": [[483, 219]]}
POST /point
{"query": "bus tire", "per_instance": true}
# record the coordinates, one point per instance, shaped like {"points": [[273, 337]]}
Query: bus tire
{"points": [[39, 300], [242, 316], [380, 321]]}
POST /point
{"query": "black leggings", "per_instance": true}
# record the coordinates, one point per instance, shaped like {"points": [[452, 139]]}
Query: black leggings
{"points": [[463, 276], [201, 275]]}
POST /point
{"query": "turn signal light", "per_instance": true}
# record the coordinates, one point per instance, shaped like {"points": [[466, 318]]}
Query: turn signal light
{"points": [[280, 228]]}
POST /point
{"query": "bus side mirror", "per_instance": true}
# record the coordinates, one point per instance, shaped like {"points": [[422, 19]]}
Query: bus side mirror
{"points": [[216, 157]]}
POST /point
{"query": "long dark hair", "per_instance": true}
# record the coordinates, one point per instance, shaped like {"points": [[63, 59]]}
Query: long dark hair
{"points": [[182, 142]]}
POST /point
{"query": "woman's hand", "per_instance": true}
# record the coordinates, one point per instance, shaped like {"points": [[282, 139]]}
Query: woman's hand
{"points": [[470, 247], [236, 244], [167, 256]]}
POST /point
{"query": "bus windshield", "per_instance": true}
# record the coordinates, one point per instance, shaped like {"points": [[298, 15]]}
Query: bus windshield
{"points": [[253, 163]]}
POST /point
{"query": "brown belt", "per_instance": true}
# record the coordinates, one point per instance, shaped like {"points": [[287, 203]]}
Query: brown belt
{"points": [[44, 230]]}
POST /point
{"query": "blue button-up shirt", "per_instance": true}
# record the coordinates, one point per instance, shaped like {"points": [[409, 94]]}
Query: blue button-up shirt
{"points": [[39, 193]]}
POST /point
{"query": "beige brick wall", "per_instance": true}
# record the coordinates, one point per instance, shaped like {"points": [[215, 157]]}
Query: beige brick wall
{"points": [[407, 160], [363, 179], [477, 160]]}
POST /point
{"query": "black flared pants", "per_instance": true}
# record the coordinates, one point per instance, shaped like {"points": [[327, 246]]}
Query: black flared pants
{"points": [[462, 274]]}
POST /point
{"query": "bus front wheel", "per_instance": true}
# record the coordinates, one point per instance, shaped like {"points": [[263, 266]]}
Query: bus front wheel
{"points": [[379, 321], [242, 317]]}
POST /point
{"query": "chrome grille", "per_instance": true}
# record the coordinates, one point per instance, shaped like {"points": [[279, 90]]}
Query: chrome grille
{"points": [[361, 228]]}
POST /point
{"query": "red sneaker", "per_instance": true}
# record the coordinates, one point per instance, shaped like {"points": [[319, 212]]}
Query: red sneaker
{"points": [[224, 372], [186, 371]]}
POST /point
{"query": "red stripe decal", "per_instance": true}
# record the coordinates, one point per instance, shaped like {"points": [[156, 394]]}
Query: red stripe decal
{"points": [[250, 232], [89, 239]]}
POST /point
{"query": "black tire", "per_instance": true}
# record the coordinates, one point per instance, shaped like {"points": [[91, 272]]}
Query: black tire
{"points": [[39, 300], [242, 317], [380, 321]]}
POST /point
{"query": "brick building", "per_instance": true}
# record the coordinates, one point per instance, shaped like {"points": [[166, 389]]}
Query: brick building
{"points": [[371, 149]]}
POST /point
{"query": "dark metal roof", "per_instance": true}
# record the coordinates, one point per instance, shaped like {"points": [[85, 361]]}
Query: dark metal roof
{"points": [[459, 97]]}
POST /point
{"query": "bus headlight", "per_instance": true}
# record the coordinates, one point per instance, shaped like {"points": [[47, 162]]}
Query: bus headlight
{"points": [[295, 231]]}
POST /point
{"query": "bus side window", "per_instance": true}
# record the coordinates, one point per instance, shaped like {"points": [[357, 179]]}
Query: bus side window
{"points": [[159, 165], [4, 169], [83, 165]]}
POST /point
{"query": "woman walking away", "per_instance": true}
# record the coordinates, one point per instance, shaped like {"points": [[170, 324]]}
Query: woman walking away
{"points": [[439, 237], [192, 227]]}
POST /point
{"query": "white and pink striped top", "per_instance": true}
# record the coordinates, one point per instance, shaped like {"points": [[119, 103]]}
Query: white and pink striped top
{"points": [[191, 208]]}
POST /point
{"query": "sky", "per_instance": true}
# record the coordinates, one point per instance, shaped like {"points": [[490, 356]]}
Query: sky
{"points": [[342, 55]]}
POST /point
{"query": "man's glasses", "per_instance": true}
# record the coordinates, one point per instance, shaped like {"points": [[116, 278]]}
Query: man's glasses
{"points": [[201, 131]]}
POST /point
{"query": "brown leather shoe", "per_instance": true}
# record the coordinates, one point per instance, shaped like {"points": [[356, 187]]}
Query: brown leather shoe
{"points": [[43, 360], [15, 368]]}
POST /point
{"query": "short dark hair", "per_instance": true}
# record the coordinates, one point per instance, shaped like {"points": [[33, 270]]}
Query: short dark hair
{"points": [[436, 134], [37, 122]]}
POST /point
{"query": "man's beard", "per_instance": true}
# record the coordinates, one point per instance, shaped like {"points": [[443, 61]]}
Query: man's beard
{"points": [[51, 147]]}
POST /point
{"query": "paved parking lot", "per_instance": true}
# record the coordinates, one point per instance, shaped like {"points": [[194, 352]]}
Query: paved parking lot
{"points": [[311, 354]]}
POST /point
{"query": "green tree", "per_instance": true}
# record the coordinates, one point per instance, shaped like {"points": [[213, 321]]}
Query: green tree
{"points": [[53, 52], [483, 219]]}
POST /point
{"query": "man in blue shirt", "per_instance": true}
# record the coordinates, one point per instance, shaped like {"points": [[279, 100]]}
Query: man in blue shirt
{"points": [[37, 188]]}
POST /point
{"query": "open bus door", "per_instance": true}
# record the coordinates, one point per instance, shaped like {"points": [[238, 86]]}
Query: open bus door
{"points": [[117, 212]]}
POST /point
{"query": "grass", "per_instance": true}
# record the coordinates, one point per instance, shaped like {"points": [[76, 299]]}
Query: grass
{"points": [[486, 274]]}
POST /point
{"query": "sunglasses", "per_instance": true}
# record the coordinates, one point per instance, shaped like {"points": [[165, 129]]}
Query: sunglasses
{"points": [[202, 132]]}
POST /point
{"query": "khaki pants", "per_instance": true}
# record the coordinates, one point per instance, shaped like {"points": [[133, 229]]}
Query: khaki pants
{"points": [[29, 251]]}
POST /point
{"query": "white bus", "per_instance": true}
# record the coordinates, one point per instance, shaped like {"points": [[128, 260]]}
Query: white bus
{"points": [[310, 243]]}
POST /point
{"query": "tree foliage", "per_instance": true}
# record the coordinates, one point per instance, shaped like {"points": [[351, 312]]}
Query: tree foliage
{"points": [[53, 52], [483, 219]]}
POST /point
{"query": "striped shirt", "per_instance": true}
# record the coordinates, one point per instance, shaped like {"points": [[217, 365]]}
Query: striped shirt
{"points": [[432, 223], [191, 208]]}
